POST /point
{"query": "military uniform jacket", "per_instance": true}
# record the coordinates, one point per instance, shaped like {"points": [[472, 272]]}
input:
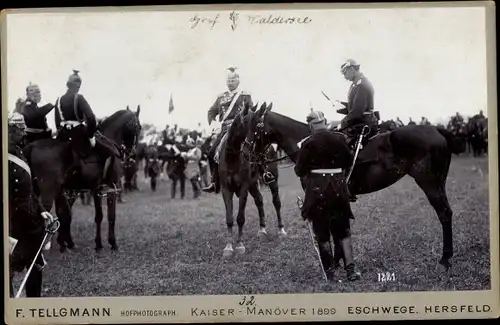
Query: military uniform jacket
{"points": [[35, 117], [24, 206], [322, 150], [222, 103], [76, 109], [359, 100], [193, 157]]}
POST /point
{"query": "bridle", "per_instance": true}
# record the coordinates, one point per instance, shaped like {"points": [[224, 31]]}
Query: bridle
{"points": [[128, 152]]}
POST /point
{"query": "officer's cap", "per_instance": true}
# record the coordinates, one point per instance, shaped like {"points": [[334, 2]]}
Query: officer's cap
{"points": [[348, 63], [315, 117], [17, 119], [74, 78]]}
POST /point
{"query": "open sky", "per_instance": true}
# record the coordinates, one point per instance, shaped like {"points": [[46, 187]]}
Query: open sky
{"points": [[422, 62]]}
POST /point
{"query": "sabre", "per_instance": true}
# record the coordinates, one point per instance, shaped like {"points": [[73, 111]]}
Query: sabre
{"points": [[300, 203], [358, 146], [49, 232], [328, 98]]}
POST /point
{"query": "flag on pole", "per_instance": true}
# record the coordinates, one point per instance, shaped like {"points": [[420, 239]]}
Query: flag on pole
{"points": [[170, 105]]}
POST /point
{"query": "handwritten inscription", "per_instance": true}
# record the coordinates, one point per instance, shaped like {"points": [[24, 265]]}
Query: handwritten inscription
{"points": [[234, 18], [197, 20]]}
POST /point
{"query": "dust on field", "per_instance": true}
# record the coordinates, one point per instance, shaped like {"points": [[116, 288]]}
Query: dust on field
{"points": [[174, 247]]}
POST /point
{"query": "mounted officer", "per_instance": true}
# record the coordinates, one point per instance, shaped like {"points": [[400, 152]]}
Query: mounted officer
{"points": [[359, 108], [320, 162], [27, 217], [34, 116], [76, 121], [226, 107]]}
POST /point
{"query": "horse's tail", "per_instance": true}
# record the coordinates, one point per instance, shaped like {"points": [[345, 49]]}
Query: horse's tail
{"points": [[455, 144]]}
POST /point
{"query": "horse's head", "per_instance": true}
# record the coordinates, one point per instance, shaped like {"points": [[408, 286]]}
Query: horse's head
{"points": [[131, 129], [258, 133]]}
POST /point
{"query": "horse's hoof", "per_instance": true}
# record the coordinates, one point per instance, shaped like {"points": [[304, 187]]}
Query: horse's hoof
{"points": [[282, 232], [114, 247], [71, 245], [240, 249], [262, 232], [443, 267], [227, 253]]}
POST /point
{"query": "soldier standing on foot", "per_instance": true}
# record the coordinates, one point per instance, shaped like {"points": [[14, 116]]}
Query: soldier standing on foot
{"points": [[320, 162]]}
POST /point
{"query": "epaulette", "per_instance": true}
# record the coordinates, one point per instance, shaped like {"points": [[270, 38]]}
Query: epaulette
{"points": [[222, 94], [27, 102], [359, 82], [243, 92]]}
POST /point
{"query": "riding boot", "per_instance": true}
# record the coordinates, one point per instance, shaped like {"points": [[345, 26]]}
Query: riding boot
{"points": [[214, 185], [350, 267], [103, 187]]}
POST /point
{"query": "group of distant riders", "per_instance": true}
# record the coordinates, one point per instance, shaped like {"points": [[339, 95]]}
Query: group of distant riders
{"points": [[323, 158]]}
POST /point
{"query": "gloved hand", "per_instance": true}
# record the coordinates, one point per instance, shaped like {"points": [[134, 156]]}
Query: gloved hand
{"points": [[48, 219], [92, 141]]}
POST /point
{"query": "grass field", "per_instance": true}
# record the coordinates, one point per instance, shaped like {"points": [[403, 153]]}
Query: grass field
{"points": [[174, 247]]}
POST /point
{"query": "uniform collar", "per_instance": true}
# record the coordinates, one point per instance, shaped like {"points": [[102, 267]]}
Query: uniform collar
{"points": [[234, 91], [358, 78]]}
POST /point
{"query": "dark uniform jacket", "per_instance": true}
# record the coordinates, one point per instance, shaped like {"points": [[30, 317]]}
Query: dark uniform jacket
{"points": [[77, 109], [222, 103], [324, 193], [359, 101], [25, 221], [35, 117]]}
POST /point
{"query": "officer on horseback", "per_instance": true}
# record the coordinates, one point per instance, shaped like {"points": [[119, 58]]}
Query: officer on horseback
{"points": [[28, 219], [76, 119], [34, 116], [226, 106], [320, 162], [359, 108]]}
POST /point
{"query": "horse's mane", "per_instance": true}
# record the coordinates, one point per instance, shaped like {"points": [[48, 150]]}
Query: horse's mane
{"points": [[288, 124], [113, 118]]}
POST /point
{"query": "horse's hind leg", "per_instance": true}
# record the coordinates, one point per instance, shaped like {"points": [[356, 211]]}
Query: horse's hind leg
{"points": [[435, 191], [277, 206], [64, 213], [240, 220], [259, 203], [111, 202], [98, 221], [228, 202]]}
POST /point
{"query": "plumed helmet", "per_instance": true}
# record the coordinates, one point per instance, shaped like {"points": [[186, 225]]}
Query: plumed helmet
{"points": [[348, 63], [74, 78], [232, 73], [17, 119], [315, 117]]}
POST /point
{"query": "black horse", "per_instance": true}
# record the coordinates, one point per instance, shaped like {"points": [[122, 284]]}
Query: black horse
{"points": [[52, 180], [477, 135], [420, 151], [240, 177]]}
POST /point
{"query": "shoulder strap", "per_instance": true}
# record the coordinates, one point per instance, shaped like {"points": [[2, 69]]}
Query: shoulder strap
{"points": [[75, 107], [233, 102], [21, 163]]}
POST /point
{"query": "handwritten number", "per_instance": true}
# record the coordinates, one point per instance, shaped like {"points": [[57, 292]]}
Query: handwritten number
{"points": [[247, 301]]}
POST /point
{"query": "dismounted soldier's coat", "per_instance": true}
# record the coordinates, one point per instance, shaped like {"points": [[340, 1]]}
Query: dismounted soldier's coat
{"points": [[26, 223], [36, 121]]}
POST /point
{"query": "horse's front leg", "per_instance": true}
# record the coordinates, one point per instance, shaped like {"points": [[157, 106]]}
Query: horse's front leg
{"points": [[259, 203], [98, 221], [111, 202], [64, 214], [227, 195], [240, 220], [277, 206]]}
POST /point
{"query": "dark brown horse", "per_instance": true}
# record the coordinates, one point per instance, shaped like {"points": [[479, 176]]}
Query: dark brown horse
{"points": [[422, 152], [54, 178], [239, 177]]}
